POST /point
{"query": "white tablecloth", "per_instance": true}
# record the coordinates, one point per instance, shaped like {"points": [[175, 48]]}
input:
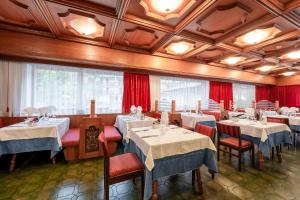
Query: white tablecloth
{"points": [[256, 129], [190, 119], [160, 143], [125, 122], [53, 128], [292, 120], [268, 112]]}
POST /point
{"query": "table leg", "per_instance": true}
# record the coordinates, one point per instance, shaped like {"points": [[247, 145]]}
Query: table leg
{"points": [[278, 153], [193, 177], [154, 190], [13, 163], [199, 181], [260, 162]]}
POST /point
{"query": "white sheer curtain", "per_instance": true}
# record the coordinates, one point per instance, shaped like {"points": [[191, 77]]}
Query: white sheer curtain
{"points": [[69, 89], [186, 92], [154, 90], [243, 94]]}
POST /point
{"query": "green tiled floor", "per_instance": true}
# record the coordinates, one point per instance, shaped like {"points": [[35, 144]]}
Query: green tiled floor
{"points": [[84, 180]]}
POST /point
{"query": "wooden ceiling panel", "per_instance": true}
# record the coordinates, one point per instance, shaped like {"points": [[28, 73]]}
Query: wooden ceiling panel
{"points": [[164, 50], [135, 8], [131, 35], [212, 54], [218, 19], [22, 13], [279, 25], [60, 12]]}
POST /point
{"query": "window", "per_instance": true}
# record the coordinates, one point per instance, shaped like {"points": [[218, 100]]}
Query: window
{"points": [[243, 94], [69, 89], [186, 93]]}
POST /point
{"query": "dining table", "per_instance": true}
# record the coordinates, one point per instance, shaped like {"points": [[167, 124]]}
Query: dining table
{"points": [[125, 122], [264, 135], [294, 121], [191, 119], [44, 134], [171, 150]]}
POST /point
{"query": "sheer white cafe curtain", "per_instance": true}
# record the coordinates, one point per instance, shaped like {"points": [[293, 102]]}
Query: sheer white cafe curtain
{"points": [[186, 92], [69, 89], [154, 90], [243, 94]]}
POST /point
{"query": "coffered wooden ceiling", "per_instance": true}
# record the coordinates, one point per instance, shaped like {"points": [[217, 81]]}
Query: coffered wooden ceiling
{"points": [[211, 28]]}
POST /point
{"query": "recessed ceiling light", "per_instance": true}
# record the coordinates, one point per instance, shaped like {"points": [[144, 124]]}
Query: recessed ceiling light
{"points": [[257, 36], [179, 48], [233, 60], [166, 6], [265, 68], [292, 55], [288, 73], [84, 26]]}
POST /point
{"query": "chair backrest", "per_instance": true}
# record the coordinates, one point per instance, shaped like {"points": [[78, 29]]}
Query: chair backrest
{"points": [[278, 120], [205, 130], [1, 123], [105, 150], [90, 129], [215, 113], [233, 131]]}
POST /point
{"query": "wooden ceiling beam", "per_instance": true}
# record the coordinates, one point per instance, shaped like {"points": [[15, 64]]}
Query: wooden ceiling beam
{"points": [[147, 23], [86, 6], [122, 7], [195, 37], [196, 51], [47, 16], [273, 6], [194, 14]]}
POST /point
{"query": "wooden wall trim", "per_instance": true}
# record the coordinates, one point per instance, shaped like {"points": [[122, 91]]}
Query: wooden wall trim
{"points": [[288, 80], [38, 47]]}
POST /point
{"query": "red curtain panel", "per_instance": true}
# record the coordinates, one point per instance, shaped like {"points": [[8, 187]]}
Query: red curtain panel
{"points": [[262, 92], [136, 91], [288, 95], [221, 91]]}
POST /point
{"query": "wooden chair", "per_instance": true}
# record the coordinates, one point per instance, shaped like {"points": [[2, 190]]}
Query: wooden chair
{"points": [[90, 129], [156, 115], [208, 131], [279, 148], [233, 141], [120, 168], [1, 123]]}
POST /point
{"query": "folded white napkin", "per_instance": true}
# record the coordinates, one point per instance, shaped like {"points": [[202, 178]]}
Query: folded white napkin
{"points": [[133, 109]]}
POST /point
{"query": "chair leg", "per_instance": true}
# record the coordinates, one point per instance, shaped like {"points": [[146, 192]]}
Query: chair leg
{"points": [[240, 161], [278, 152], [106, 191], [218, 152], [193, 177], [143, 185], [133, 180], [253, 157], [230, 152]]}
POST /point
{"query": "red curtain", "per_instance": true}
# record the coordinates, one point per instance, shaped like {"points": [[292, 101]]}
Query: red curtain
{"points": [[288, 95], [136, 91], [221, 91], [262, 93]]}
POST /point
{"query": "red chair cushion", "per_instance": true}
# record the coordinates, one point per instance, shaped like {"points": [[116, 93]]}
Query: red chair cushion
{"points": [[112, 134], [71, 138], [205, 130], [234, 142], [1, 123], [124, 164]]}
